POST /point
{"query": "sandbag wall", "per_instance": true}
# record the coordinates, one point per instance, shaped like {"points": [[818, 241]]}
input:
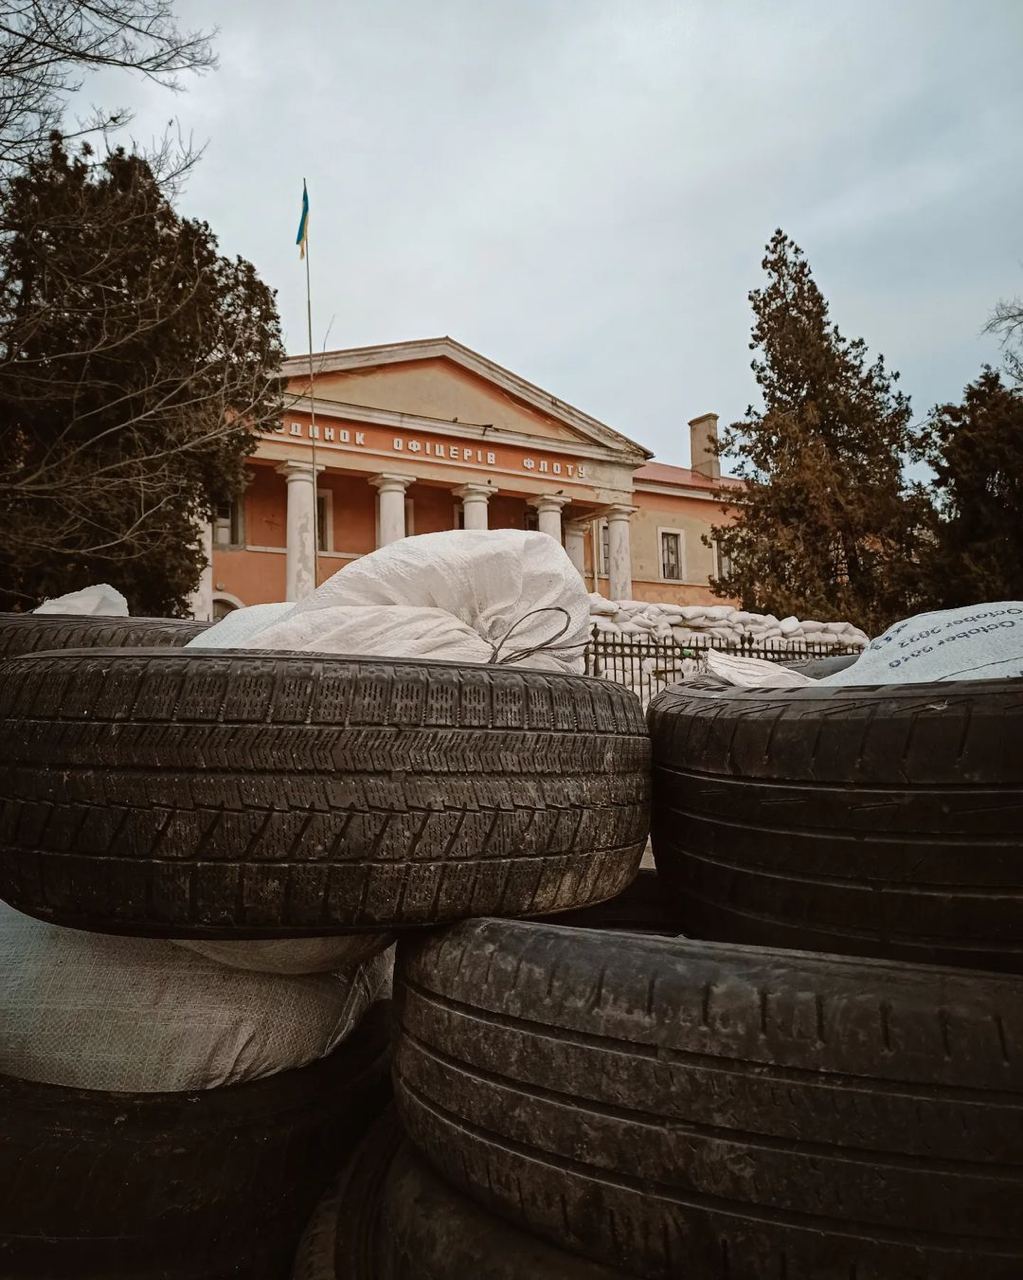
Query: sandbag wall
{"points": [[646, 647], [719, 623]]}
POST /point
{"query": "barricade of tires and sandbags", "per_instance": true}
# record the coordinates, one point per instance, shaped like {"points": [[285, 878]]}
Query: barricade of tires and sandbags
{"points": [[233, 836], [591, 1094], [821, 1080]]}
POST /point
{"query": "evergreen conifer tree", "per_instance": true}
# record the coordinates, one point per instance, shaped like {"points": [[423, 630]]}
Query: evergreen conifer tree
{"points": [[825, 526], [975, 449]]}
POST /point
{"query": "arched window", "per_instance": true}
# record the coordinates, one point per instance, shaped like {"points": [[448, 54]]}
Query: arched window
{"points": [[224, 604]]}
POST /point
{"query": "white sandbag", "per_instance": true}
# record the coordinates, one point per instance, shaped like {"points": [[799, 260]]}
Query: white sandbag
{"points": [[373, 631], [754, 673], [644, 621], [600, 606], [789, 626], [100, 601], [517, 590], [236, 629], [975, 642], [141, 1015], [292, 955]]}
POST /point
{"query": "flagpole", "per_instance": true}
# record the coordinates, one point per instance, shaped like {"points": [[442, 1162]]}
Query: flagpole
{"points": [[312, 409]]}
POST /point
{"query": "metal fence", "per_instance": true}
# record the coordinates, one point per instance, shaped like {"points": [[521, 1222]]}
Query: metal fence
{"points": [[649, 665]]}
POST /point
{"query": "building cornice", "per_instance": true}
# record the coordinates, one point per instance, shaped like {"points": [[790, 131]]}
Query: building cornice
{"points": [[458, 430], [447, 348]]}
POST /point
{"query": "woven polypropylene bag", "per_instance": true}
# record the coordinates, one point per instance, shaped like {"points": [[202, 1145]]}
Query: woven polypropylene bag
{"points": [[141, 1015], [459, 595]]}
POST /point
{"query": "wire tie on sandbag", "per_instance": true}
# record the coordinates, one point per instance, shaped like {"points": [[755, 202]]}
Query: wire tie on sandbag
{"points": [[547, 646]]}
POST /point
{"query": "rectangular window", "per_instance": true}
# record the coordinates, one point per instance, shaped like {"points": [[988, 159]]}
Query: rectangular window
{"points": [[324, 521], [671, 556], [228, 524], [532, 520], [722, 562]]}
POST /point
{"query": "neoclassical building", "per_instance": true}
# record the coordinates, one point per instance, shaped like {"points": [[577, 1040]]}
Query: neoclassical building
{"points": [[417, 437]]}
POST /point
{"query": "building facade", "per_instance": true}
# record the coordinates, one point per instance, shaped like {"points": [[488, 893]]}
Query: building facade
{"points": [[418, 437]]}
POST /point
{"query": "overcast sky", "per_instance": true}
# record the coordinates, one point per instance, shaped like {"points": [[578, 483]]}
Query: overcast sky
{"points": [[582, 190]]}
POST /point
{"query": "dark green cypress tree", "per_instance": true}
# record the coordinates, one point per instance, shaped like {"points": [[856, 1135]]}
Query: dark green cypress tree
{"points": [[136, 364]]}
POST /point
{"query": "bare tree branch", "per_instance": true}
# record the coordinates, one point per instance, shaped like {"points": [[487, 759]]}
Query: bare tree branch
{"points": [[1007, 322], [47, 45]]}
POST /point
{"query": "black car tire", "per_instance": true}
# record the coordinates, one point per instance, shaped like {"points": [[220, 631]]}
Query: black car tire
{"points": [[30, 633], [883, 821], [232, 794], [677, 1108], [202, 1185], [391, 1217], [641, 907]]}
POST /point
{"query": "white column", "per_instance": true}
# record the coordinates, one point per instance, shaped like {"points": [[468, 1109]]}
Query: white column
{"points": [[619, 552], [548, 511], [474, 503], [575, 543], [200, 602], [391, 489], [300, 566]]}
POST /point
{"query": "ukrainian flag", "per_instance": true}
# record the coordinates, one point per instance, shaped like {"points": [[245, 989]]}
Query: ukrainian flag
{"points": [[303, 226]]}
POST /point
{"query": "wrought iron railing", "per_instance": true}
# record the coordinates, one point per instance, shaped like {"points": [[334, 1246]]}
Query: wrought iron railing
{"points": [[649, 665]]}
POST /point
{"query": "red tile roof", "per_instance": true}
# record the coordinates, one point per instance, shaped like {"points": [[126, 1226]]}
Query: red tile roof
{"points": [[664, 473]]}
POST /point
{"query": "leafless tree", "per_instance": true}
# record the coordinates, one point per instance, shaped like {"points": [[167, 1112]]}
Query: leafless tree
{"points": [[47, 46], [1007, 322]]}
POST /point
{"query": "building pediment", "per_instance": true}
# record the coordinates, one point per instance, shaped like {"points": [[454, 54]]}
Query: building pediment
{"points": [[439, 380]]}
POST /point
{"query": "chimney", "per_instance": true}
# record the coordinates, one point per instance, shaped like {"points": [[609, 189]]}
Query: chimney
{"points": [[703, 439]]}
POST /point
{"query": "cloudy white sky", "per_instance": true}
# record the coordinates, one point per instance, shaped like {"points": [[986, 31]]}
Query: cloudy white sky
{"points": [[582, 189]]}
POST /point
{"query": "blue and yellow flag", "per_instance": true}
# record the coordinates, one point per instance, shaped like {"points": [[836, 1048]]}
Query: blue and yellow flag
{"points": [[303, 226]]}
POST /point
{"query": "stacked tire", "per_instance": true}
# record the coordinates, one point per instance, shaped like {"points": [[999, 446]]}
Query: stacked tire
{"points": [[32, 633], [794, 1054], [191, 1185], [248, 799], [866, 821], [823, 1078]]}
